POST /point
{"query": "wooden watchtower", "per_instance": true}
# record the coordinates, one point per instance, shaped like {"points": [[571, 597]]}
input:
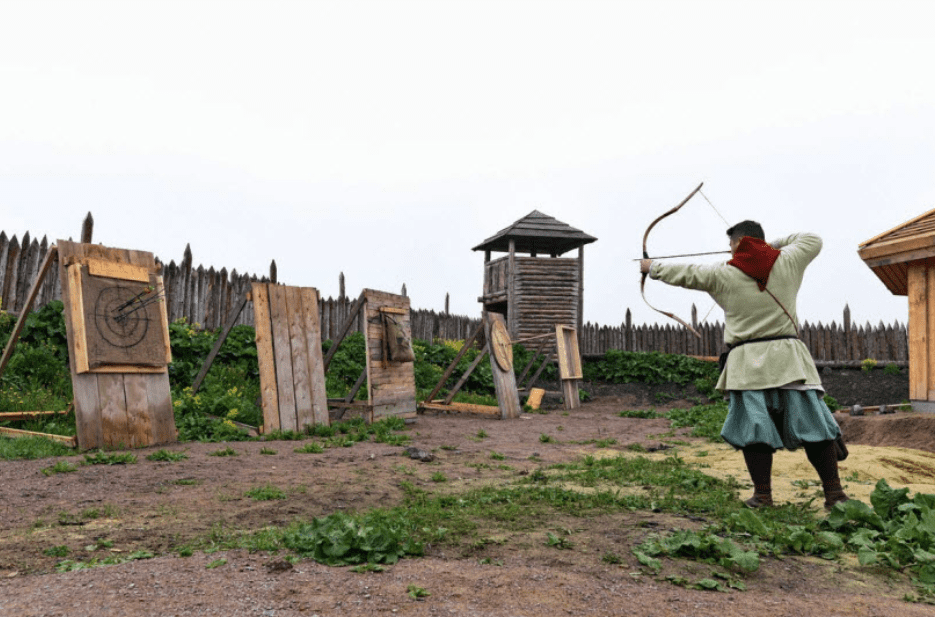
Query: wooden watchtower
{"points": [[904, 259], [533, 286]]}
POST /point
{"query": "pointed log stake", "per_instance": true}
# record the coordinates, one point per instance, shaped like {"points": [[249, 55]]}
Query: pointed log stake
{"points": [[87, 229], [27, 308], [272, 272]]}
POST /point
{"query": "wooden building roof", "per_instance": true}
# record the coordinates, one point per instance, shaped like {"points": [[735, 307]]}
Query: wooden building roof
{"points": [[537, 233], [890, 253]]}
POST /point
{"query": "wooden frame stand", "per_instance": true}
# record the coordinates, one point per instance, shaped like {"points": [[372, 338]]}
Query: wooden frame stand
{"points": [[500, 349]]}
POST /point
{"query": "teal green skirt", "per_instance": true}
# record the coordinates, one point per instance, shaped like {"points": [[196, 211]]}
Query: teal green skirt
{"points": [[778, 418]]}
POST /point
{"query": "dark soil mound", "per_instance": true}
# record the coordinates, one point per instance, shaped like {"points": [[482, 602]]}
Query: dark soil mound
{"points": [[873, 388]]}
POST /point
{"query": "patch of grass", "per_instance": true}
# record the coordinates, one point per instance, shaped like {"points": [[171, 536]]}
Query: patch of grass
{"points": [[228, 451], [481, 434], [167, 456], [639, 413], [267, 451], [60, 467], [417, 593], [497, 456], [544, 438], [56, 551], [604, 443], [267, 492], [312, 447], [217, 563], [186, 482], [109, 458], [30, 448], [439, 477]]}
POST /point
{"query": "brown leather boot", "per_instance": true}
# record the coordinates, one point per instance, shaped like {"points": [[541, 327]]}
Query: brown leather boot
{"points": [[823, 458], [759, 459]]}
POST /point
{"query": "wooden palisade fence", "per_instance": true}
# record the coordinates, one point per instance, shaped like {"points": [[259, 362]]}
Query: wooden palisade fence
{"points": [[206, 296]]}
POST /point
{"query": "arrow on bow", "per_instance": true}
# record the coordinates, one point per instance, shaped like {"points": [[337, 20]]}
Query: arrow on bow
{"points": [[646, 256]]}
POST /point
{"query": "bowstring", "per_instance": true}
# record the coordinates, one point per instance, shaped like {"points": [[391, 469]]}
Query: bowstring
{"points": [[718, 212]]}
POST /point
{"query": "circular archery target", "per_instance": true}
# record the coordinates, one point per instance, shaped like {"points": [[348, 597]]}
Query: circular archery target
{"points": [[119, 317]]}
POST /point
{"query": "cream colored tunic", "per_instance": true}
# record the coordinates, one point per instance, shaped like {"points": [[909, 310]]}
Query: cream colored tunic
{"points": [[750, 313]]}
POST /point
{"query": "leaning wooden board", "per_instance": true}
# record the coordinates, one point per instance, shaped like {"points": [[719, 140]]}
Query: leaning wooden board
{"points": [[118, 406], [288, 342], [391, 385]]}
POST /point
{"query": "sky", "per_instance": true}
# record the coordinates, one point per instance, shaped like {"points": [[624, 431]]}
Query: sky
{"points": [[386, 139]]}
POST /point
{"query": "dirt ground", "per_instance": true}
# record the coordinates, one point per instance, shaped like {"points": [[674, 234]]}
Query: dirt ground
{"points": [[156, 506]]}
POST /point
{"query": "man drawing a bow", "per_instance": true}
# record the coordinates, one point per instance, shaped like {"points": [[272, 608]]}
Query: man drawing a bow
{"points": [[776, 397]]}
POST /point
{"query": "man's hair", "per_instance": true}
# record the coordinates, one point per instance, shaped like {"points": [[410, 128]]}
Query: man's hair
{"points": [[746, 228]]}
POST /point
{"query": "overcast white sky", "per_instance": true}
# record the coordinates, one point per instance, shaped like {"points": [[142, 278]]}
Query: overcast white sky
{"points": [[385, 139]]}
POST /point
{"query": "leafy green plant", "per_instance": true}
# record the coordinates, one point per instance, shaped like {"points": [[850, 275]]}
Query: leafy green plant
{"points": [[341, 539], [544, 438], [497, 456], [313, 447], [439, 477], [560, 542], [417, 593], [217, 563], [56, 551], [891, 369], [832, 403], [167, 456], [267, 492], [639, 413], [109, 458], [267, 451], [868, 365], [60, 467], [228, 451]]}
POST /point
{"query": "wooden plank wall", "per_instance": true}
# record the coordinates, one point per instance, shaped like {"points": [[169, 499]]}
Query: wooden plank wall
{"points": [[391, 385], [546, 294], [292, 378], [115, 410]]}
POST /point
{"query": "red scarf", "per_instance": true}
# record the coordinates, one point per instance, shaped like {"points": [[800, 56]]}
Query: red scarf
{"points": [[754, 257]]}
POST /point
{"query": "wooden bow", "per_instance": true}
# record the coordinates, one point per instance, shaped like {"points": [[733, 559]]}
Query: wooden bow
{"points": [[646, 256]]}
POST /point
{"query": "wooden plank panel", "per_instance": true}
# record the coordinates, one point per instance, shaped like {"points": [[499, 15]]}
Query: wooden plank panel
{"points": [[269, 391], [159, 397], [298, 343], [918, 333], [115, 270], [84, 386], [113, 411], [929, 326], [139, 412], [316, 364], [282, 352]]}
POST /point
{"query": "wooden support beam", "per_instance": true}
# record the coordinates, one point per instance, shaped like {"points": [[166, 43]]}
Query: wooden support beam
{"points": [[235, 313], [535, 357], [27, 308], [357, 385], [351, 318], [487, 410], [12, 416], [548, 360], [71, 442], [467, 374], [454, 363]]}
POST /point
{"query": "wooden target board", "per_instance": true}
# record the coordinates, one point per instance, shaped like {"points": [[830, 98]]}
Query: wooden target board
{"points": [[118, 343], [391, 384], [501, 365], [288, 342]]}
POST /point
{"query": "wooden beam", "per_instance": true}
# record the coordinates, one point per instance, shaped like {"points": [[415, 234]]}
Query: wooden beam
{"points": [[357, 385], [231, 320], [467, 374], [12, 416], [27, 308], [454, 363], [71, 442], [486, 410], [351, 318], [918, 332]]}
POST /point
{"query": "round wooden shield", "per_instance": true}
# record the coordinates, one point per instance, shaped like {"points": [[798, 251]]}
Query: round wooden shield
{"points": [[501, 346]]}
